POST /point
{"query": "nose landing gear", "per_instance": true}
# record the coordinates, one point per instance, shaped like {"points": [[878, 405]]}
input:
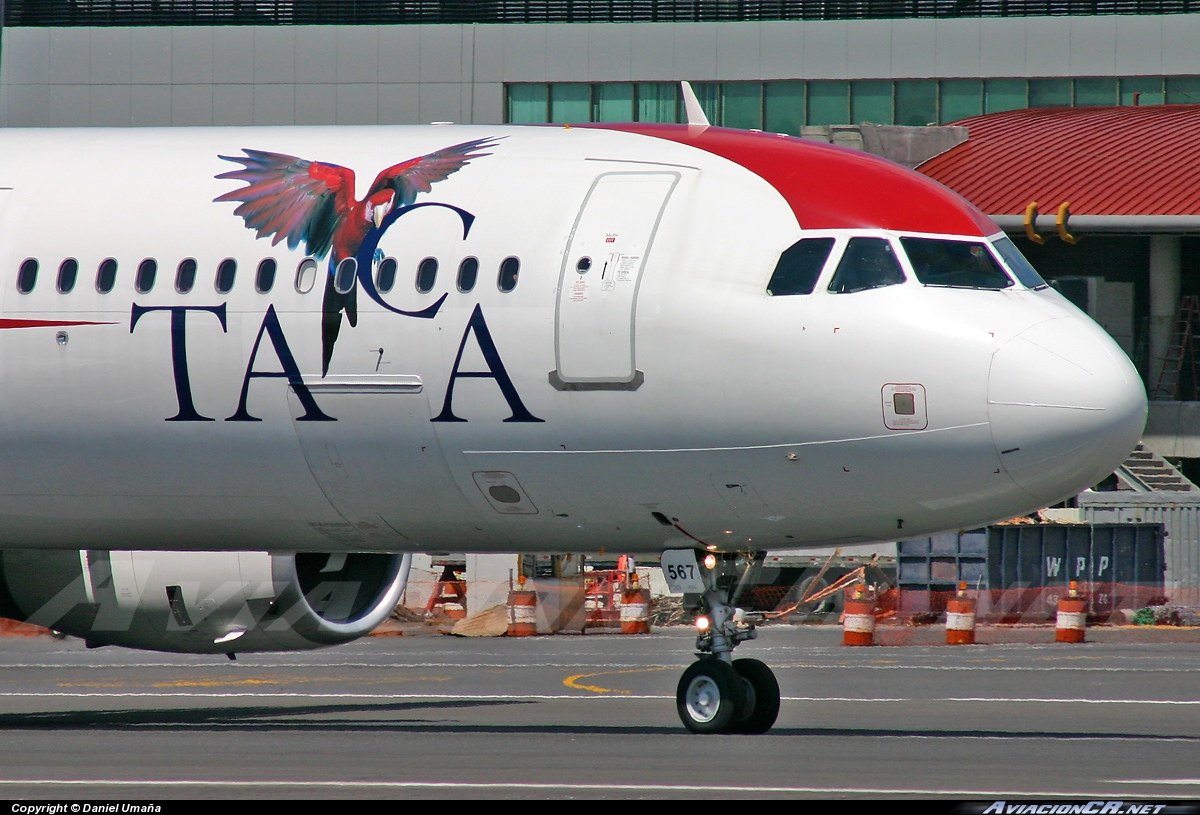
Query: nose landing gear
{"points": [[719, 694]]}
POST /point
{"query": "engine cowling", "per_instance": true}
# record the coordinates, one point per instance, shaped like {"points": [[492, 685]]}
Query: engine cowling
{"points": [[202, 602]]}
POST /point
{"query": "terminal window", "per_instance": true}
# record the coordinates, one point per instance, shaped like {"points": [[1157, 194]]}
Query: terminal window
{"points": [[786, 106]]}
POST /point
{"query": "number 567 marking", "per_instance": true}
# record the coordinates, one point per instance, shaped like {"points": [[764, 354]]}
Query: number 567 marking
{"points": [[681, 571]]}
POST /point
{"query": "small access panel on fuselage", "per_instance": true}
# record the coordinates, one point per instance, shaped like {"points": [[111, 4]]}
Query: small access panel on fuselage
{"points": [[606, 253]]}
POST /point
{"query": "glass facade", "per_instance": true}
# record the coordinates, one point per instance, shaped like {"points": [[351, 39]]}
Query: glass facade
{"points": [[786, 106]]}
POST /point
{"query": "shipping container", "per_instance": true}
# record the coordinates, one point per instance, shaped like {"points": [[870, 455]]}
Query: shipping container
{"points": [[1019, 571], [928, 570], [1178, 512], [1114, 565]]}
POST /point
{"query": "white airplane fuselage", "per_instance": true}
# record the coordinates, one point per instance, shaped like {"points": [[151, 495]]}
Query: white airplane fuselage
{"points": [[660, 398]]}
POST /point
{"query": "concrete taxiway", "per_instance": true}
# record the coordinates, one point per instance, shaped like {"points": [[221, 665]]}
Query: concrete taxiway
{"points": [[594, 717]]}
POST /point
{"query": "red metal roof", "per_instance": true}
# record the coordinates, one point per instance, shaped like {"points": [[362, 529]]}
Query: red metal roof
{"points": [[1104, 161]]}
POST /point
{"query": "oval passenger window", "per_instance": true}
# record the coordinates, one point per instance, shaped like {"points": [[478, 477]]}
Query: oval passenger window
{"points": [[343, 281], [185, 275], [147, 270], [468, 270], [306, 276], [226, 273], [507, 281], [427, 275], [68, 271], [264, 279], [27, 276], [106, 276], [385, 278]]}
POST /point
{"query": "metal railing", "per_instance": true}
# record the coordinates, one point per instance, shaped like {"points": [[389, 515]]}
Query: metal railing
{"points": [[57, 13]]}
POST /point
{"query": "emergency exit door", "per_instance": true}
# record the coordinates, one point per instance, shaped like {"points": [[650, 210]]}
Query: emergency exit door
{"points": [[594, 340]]}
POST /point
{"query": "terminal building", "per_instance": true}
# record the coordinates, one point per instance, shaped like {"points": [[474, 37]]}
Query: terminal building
{"points": [[1090, 110]]}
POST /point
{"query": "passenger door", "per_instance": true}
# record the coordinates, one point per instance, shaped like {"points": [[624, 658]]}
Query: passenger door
{"points": [[595, 346]]}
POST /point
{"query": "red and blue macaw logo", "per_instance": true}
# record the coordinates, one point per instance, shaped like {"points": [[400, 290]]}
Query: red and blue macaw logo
{"points": [[292, 199]]}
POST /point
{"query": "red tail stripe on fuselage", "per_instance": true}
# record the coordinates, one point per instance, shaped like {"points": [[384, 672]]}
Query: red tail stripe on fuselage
{"points": [[14, 323], [831, 187]]}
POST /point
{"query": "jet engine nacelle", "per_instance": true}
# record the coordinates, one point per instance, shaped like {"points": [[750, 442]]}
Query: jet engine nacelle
{"points": [[202, 602]]}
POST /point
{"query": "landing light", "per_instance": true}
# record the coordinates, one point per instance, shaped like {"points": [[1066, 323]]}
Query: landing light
{"points": [[701, 623], [710, 562]]}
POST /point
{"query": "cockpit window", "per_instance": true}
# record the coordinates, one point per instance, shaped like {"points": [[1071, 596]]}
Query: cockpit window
{"points": [[959, 264], [1021, 267], [867, 263], [799, 267]]}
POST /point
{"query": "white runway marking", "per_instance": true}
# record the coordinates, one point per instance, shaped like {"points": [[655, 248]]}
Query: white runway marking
{"points": [[568, 696], [681, 665]]}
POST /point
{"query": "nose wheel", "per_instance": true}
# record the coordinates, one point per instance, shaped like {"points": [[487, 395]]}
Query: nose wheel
{"points": [[710, 696], [715, 696]]}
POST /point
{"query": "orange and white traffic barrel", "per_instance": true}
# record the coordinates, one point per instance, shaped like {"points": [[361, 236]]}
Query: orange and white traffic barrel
{"points": [[451, 598], [960, 618], [635, 608], [522, 611], [858, 621], [1072, 616]]}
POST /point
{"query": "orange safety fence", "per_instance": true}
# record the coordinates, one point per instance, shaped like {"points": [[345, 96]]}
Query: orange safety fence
{"points": [[603, 598], [13, 628], [1107, 602]]}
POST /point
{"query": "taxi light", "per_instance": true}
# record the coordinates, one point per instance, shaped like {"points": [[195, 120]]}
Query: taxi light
{"points": [[710, 562], [701, 623]]}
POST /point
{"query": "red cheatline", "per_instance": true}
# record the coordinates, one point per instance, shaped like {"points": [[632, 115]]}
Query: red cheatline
{"points": [[13, 323]]}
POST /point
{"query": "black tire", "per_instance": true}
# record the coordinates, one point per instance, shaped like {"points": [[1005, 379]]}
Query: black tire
{"points": [[762, 698], [710, 696]]}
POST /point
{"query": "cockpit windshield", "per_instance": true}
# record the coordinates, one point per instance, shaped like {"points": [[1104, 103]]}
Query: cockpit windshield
{"points": [[1021, 267], [799, 267], [867, 263], [958, 264]]}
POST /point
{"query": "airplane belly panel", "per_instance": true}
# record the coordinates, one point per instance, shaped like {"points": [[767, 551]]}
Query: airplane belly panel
{"points": [[381, 467]]}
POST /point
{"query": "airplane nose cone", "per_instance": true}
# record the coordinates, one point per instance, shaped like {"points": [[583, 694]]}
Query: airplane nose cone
{"points": [[1065, 405]]}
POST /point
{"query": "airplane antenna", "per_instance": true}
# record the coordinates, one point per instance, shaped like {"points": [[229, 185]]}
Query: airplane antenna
{"points": [[691, 105]]}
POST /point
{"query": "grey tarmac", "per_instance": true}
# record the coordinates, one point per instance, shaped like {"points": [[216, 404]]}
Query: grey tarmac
{"points": [[594, 717]]}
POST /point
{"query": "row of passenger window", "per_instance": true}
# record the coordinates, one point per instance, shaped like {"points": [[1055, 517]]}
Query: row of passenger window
{"points": [[264, 276], [869, 263]]}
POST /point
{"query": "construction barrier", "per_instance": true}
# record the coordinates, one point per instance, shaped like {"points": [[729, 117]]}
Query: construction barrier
{"points": [[522, 611], [1072, 616], [15, 628], [449, 596], [603, 596], [858, 622], [1037, 605], [960, 618], [635, 608]]}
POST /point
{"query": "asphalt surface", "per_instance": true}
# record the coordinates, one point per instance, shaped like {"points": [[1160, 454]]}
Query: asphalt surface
{"points": [[594, 717]]}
